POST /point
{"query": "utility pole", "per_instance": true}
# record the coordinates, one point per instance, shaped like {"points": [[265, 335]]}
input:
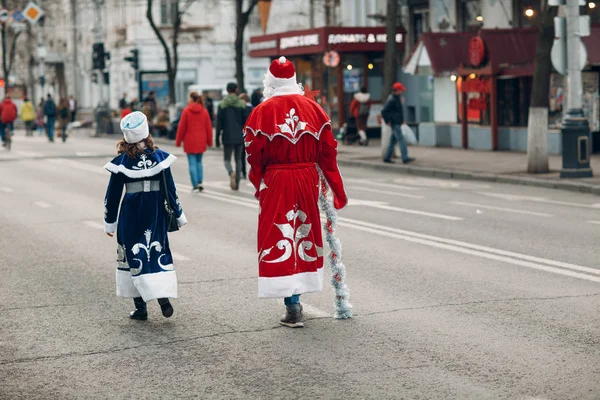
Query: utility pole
{"points": [[576, 129], [75, 49], [98, 4], [42, 52]]}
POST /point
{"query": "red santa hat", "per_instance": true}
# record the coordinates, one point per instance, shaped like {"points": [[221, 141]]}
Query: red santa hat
{"points": [[281, 79]]}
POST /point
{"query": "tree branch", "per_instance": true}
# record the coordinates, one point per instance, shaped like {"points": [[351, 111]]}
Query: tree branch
{"points": [[246, 14], [161, 39]]}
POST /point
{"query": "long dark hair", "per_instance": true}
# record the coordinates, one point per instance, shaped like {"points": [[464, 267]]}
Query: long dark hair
{"points": [[134, 150]]}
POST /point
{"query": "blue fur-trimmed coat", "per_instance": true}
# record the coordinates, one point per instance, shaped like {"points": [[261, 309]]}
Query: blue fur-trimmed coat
{"points": [[144, 261]]}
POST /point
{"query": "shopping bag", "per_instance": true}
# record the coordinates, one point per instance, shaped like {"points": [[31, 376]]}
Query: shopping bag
{"points": [[409, 135]]}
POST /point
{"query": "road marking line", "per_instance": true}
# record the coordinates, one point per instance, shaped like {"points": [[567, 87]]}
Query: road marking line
{"points": [[78, 165], [381, 184], [41, 204], [594, 222], [449, 244], [410, 196], [416, 212], [512, 210], [512, 197], [474, 246], [315, 312], [179, 257], [473, 252], [7, 190], [94, 224], [29, 153]]}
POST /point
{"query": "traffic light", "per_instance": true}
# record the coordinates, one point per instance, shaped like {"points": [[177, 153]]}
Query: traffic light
{"points": [[98, 56], [134, 59], [106, 78]]}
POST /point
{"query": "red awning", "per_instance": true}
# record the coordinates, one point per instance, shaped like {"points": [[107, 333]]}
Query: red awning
{"points": [[447, 50]]}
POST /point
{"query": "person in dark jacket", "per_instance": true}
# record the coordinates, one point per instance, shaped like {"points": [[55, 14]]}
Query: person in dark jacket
{"points": [[246, 99], [231, 119], [50, 113], [393, 115], [257, 97]]}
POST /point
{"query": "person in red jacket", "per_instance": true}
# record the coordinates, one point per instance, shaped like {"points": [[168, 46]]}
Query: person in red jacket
{"points": [[360, 109], [195, 131], [8, 115]]}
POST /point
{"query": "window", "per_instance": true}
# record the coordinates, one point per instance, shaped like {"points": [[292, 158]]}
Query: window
{"points": [[420, 23], [168, 11], [469, 15]]}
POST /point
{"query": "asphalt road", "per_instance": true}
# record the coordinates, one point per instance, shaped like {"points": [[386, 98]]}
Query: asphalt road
{"points": [[461, 290]]}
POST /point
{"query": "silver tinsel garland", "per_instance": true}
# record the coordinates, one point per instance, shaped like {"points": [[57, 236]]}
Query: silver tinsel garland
{"points": [[343, 308]]}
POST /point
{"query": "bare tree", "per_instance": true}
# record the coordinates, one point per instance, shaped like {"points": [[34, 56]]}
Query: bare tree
{"points": [[241, 21], [172, 62], [537, 127], [8, 57]]}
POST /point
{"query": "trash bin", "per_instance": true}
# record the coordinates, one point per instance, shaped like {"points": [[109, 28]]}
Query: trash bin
{"points": [[576, 147]]}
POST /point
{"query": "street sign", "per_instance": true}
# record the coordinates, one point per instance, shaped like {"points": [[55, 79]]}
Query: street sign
{"points": [[18, 16], [558, 55], [18, 26], [4, 15], [33, 12]]}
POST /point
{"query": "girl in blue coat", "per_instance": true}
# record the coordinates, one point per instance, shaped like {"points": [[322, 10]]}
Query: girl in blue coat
{"points": [[144, 262]]}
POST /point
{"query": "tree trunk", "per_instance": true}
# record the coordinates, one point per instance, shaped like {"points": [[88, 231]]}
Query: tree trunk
{"points": [[170, 72], [391, 48], [241, 21], [537, 127]]}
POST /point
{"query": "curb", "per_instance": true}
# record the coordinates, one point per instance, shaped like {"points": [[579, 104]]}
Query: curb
{"points": [[474, 176]]}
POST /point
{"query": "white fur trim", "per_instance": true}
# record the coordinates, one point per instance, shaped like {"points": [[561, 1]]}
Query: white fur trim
{"points": [[125, 286], [142, 173], [181, 221], [280, 87], [286, 286], [362, 97], [282, 60], [110, 228], [270, 136], [135, 127], [157, 285]]}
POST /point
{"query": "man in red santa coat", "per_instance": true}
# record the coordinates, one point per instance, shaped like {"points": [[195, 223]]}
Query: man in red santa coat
{"points": [[288, 137]]}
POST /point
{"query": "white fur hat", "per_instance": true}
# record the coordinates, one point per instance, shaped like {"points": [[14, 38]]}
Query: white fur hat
{"points": [[135, 127]]}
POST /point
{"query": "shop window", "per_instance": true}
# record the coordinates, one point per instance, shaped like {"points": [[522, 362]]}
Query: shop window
{"points": [[330, 96], [304, 68], [469, 15], [375, 79]]}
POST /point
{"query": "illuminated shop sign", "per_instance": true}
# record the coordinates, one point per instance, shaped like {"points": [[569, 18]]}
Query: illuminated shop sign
{"points": [[361, 38], [299, 41], [266, 45]]}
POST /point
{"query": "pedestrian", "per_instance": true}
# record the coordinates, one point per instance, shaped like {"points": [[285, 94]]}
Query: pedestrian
{"points": [[196, 134], [231, 118], [39, 118], [360, 109], [28, 116], [257, 97], [123, 102], [126, 110], [287, 137], [63, 118], [246, 99], [393, 115], [210, 107], [141, 220], [150, 101], [8, 115], [72, 108], [50, 114]]}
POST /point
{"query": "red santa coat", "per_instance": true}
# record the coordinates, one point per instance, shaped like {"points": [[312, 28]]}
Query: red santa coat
{"points": [[286, 138]]}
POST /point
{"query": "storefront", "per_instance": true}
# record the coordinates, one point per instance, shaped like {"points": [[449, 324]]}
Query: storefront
{"points": [[489, 74], [338, 61]]}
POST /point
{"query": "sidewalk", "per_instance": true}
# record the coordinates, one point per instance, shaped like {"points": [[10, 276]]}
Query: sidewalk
{"points": [[503, 166]]}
